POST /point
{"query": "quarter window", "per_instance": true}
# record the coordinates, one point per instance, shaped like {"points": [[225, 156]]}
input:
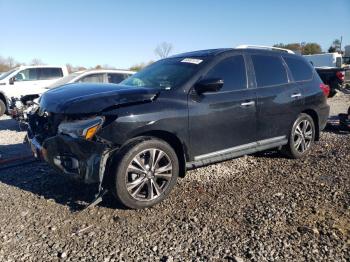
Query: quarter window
{"points": [[269, 70], [301, 70], [232, 71]]}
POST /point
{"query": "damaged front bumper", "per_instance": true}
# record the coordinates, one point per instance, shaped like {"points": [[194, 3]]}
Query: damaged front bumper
{"points": [[78, 158]]}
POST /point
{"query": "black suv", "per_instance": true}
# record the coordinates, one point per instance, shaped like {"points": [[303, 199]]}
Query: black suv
{"points": [[183, 112]]}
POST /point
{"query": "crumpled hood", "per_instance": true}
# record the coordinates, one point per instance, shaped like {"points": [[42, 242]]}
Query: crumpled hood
{"points": [[92, 98]]}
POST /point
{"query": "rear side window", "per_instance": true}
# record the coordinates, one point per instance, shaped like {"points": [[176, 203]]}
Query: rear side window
{"points": [[300, 69], [232, 71], [93, 78], [49, 73], [269, 70], [116, 78]]}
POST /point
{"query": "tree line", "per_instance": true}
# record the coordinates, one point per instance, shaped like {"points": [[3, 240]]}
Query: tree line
{"points": [[311, 48], [164, 49]]}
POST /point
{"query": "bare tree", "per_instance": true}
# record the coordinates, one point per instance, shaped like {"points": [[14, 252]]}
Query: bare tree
{"points": [[163, 50], [36, 61], [69, 68], [10, 62]]}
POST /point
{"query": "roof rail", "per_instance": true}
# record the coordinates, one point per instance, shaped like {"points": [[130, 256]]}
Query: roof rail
{"points": [[265, 47]]}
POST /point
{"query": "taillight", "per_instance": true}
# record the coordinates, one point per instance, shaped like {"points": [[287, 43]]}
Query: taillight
{"points": [[325, 89], [340, 75]]}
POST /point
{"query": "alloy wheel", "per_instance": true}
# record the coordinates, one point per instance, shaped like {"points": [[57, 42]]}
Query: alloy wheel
{"points": [[303, 135], [148, 174]]}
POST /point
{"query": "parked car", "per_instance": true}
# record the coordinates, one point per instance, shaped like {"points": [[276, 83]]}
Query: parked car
{"points": [[20, 107], [94, 76], [325, 60], [329, 67], [333, 77], [180, 113], [344, 120], [26, 80]]}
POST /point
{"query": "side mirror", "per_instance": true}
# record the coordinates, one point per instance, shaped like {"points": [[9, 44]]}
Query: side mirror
{"points": [[11, 80], [209, 85]]}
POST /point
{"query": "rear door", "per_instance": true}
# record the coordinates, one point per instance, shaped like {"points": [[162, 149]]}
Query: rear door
{"points": [[225, 119], [279, 100]]}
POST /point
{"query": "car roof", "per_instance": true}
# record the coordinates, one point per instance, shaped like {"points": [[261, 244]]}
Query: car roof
{"points": [[40, 66], [203, 53], [219, 51], [120, 71]]}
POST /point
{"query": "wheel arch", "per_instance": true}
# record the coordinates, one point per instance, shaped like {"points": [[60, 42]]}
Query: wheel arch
{"points": [[313, 114], [3, 98], [173, 141]]}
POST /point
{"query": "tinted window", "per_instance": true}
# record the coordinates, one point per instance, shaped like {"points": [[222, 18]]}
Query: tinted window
{"points": [[269, 70], [116, 78], [300, 69], [232, 71], [93, 78], [167, 73], [29, 74], [49, 73]]}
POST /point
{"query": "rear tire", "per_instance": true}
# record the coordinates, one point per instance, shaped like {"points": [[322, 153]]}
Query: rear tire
{"points": [[2, 107], [145, 173], [301, 138]]}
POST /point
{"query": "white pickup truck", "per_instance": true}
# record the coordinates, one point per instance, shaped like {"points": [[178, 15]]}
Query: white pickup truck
{"points": [[27, 80]]}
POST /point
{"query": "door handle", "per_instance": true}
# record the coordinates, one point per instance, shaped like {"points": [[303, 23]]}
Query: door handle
{"points": [[295, 95], [248, 103]]}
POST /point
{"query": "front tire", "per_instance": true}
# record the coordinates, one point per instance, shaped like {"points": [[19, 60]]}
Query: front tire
{"points": [[2, 107], [145, 173], [301, 138]]}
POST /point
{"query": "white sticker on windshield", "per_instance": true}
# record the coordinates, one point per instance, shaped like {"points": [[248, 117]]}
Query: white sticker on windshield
{"points": [[192, 61]]}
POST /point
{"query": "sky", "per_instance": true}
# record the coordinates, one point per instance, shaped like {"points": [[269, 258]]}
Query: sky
{"points": [[125, 33]]}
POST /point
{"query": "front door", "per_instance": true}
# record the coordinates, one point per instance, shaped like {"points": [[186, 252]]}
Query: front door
{"points": [[222, 120]]}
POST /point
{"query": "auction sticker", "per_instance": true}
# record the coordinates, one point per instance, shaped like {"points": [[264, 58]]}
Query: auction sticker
{"points": [[192, 61]]}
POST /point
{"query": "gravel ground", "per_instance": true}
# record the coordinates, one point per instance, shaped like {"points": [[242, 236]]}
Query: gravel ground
{"points": [[255, 208]]}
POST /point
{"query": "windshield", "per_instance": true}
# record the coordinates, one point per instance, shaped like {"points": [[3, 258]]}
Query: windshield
{"points": [[7, 74], [64, 80], [165, 74]]}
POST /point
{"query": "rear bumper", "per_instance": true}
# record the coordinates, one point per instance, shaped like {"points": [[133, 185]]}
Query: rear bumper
{"points": [[323, 115], [78, 158]]}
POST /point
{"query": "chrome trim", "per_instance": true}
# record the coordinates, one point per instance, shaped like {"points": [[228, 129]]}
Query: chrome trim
{"points": [[270, 140], [250, 103], [240, 148], [265, 47], [295, 95]]}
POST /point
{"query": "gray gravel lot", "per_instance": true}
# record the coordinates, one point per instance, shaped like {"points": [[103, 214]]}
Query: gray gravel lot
{"points": [[255, 208]]}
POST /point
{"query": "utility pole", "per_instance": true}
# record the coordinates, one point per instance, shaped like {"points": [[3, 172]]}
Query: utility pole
{"points": [[341, 41]]}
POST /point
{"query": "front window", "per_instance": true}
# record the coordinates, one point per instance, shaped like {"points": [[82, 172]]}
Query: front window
{"points": [[165, 74], [28, 74], [92, 78]]}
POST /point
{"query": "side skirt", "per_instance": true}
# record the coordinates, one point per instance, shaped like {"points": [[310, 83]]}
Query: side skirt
{"points": [[234, 152]]}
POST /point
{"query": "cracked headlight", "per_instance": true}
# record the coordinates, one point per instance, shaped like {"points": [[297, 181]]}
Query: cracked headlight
{"points": [[86, 128]]}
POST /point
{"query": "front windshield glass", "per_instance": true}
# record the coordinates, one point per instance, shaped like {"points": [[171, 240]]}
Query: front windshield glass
{"points": [[165, 74], [7, 74], [64, 80]]}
